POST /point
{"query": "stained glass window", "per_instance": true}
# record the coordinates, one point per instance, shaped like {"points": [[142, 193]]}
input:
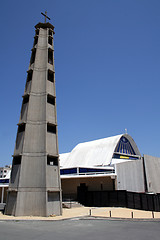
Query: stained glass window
{"points": [[124, 146]]}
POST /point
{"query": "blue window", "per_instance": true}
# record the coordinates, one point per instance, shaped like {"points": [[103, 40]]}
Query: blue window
{"points": [[4, 181], [68, 171], [124, 146], [89, 170]]}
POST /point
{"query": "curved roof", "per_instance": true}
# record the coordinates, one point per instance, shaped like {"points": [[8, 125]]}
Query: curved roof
{"points": [[94, 153]]}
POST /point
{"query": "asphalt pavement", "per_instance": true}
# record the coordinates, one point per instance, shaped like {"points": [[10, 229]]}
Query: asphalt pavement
{"points": [[78, 229]]}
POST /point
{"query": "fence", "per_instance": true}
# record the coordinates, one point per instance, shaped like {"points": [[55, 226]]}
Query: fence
{"points": [[142, 201]]}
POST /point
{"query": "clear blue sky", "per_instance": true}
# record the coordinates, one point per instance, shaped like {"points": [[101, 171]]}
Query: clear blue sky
{"points": [[107, 62]]}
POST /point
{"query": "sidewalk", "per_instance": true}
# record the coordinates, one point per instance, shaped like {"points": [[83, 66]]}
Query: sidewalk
{"points": [[106, 212]]}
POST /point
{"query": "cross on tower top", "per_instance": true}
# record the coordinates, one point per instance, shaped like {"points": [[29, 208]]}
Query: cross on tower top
{"points": [[45, 15]]}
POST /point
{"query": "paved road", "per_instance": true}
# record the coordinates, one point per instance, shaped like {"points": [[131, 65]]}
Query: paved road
{"points": [[79, 230]]}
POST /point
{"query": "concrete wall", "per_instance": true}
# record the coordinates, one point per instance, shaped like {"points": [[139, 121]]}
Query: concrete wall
{"points": [[37, 108], [50, 88], [35, 141], [33, 172], [152, 169], [38, 85], [51, 144], [32, 201], [53, 202], [23, 116], [11, 203], [19, 143], [130, 176], [51, 113], [52, 180], [28, 87], [15, 173]]}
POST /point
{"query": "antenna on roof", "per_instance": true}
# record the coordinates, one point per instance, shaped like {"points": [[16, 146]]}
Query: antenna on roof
{"points": [[126, 131]]}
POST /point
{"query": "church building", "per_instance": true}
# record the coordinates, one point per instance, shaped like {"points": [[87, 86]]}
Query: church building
{"points": [[112, 163]]}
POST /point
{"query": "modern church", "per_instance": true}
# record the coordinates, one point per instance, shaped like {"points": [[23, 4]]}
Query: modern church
{"points": [[112, 163]]}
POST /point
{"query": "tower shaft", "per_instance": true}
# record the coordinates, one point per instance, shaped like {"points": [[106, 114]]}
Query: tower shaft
{"points": [[35, 187]]}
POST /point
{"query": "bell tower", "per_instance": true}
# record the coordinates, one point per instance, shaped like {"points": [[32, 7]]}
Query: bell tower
{"points": [[35, 187]]}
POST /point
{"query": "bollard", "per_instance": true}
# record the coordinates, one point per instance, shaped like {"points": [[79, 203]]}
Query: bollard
{"points": [[131, 214], [152, 214], [110, 213], [90, 212]]}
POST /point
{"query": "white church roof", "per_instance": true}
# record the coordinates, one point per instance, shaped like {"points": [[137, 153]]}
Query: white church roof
{"points": [[94, 153]]}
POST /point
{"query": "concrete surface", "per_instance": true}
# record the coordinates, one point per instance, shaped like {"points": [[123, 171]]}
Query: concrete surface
{"points": [[152, 167], [80, 229], [130, 176], [123, 213]]}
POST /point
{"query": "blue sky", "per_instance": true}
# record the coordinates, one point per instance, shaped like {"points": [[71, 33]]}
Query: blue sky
{"points": [[107, 62]]}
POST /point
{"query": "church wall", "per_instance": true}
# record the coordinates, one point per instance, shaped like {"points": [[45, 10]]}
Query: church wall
{"points": [[152, 168], [130, 176]]}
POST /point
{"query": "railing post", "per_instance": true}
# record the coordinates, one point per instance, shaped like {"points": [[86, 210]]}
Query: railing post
{"points": [[131, 214], [70, 202], [90, 212]]}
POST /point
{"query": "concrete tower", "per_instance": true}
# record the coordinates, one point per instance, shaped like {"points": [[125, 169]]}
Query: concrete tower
{"points": [[35, 187]]}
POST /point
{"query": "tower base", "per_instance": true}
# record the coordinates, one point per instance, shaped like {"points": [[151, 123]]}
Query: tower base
{"points": [[33, 203]]}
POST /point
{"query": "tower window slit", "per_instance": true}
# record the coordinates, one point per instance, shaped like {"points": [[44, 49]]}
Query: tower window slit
{"points": [[51, 128], [25, 99], [35, 40], [37, 31], [51, 99], [50, 56], [50, 76], [21, 128], [29, 76], [17, 160], [52, 161], [50, 40], [50, 32], [33, 56]]}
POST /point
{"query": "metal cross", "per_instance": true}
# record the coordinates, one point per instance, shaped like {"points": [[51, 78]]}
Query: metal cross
{"points": [[45, 15]]}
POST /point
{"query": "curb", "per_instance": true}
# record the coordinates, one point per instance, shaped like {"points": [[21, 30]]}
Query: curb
{"points": [[85, 217]]}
